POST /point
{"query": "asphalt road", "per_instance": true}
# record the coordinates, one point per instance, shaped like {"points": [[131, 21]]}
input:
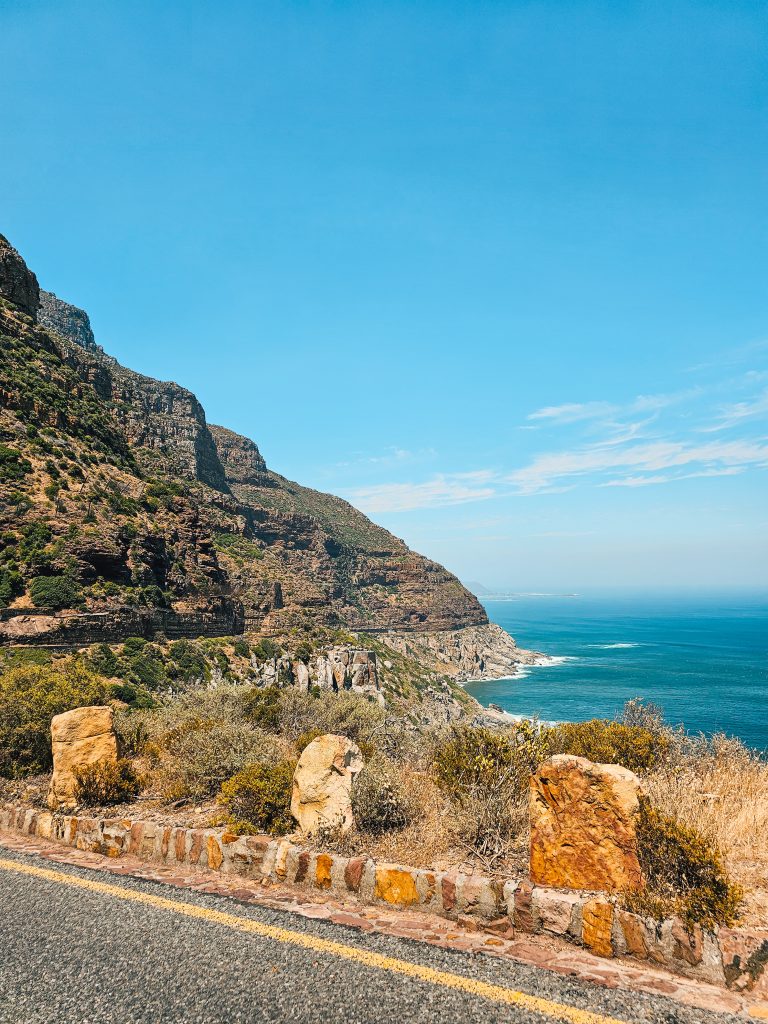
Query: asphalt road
{"points": [[79, 947]]}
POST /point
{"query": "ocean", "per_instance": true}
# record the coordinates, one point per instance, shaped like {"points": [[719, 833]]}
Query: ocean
{"points": [[703, 660]]}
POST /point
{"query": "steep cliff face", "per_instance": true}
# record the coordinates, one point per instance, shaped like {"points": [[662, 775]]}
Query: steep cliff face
{"points": [[59, 317], [17, 282], [122, 500]]}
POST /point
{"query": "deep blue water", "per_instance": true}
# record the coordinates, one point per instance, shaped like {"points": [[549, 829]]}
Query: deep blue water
{"points": [[704, 660]]}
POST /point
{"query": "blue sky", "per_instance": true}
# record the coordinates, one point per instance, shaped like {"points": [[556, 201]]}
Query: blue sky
{"points": [[496, 272]]}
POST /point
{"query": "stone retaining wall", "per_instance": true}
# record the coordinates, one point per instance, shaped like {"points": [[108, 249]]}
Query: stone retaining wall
{"points": [[732, 957]]}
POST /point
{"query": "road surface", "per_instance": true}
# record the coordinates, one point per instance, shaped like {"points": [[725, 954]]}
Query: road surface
{"points": [[77, 947]]}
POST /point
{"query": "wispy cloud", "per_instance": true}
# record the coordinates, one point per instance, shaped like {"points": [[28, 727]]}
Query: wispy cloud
{"points": [[440, 490], [737, 413], [609, 412], [391, 456], [574, 412], [644, 481], [552, 469]]}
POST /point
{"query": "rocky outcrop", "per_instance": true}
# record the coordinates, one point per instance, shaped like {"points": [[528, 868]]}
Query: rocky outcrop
{"points": [[73, 629], [475, 652], [17, 282], [243, 463], [583, 826], [322, 784], [66, 320], [166, 420], [337, 669], [79, 738]]}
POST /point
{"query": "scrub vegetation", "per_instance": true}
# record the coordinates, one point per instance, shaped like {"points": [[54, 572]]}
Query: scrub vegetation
{"points": [[206, 744]]}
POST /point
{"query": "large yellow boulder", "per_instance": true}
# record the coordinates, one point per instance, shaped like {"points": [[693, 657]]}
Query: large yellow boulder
{"points": [[583, 825], [78, 738], [322, 784]]}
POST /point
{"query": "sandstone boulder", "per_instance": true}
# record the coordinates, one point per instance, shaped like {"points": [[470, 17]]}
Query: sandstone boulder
{"points": [[78, 737], [583, 825], [322, 784]]}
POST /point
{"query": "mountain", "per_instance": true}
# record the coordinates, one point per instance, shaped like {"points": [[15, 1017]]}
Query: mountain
{"points": [[123, 512], [478, 589]]}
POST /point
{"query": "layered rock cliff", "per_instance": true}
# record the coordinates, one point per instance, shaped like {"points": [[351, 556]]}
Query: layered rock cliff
{"points": [[121, 510]]}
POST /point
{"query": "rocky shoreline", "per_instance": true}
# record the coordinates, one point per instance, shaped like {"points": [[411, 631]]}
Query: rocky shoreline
{"points": [[466, 655]]}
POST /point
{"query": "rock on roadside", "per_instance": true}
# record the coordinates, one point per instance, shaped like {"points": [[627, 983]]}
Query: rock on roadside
{"points": [[322, 784], [78, 738]]}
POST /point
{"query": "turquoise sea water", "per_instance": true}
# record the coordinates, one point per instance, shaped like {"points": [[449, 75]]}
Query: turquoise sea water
{"points": [[704, 660]]}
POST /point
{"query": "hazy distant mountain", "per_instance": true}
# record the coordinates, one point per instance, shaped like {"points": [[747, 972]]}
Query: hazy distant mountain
{"points": [[478, 589]]}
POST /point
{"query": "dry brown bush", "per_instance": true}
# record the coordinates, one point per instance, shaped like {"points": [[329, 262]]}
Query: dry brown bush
{"points": [[197, 742], [720, 788]]}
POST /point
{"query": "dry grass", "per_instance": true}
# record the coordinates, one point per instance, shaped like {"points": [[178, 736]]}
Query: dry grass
{"points": [[720, 788]]}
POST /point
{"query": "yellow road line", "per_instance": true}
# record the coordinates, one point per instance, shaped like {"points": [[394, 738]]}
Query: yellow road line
{"points": [[368, 958]]}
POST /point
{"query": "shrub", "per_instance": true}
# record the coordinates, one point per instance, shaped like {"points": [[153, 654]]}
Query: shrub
{"points": [[241, 647], [258, 798], [29, 698], [344, 714], [187, 663], [303, 741], [201, 739], [11, 585], [262, 706], [378, 802], [266, 649], [684, 873], [146, 667], [486, 775], [54, 592], [106, 782], [134, 696], [304, 651], [103, 659], [633, 746], [472, 757], [12, 465]]}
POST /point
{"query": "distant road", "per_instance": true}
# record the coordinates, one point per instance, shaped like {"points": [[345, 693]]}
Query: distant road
{"points": [[77, 949]]}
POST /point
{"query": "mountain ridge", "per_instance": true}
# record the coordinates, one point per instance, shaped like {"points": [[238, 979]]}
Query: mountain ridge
{"points": [[157, 518]]}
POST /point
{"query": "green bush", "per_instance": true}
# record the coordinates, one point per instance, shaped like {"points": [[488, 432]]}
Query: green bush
{"points": [[633, 746], [241, 647], [29, 698], [486, 776], [258, 798], [239, 548], [146, 667], [106, 782], [266, 649], [473, 757], [262, 706], [53, 593], [11, 585], [203, 738], [12, 465], [187, 663], [103, 659], [304, 651], [684, 874], [303, 740]]}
